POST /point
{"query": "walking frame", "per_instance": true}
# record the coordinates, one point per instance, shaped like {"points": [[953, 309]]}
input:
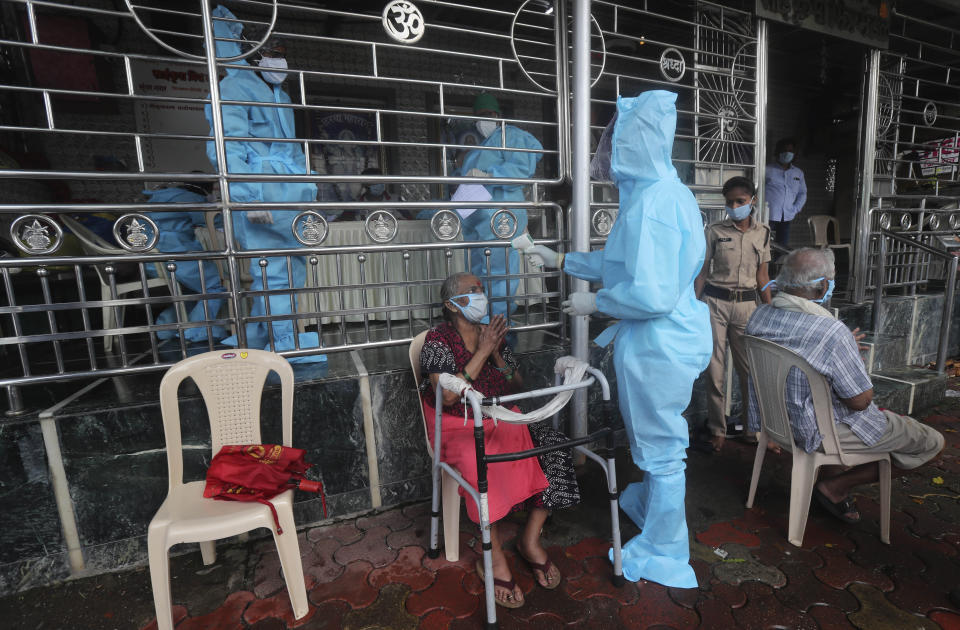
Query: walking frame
{"points": [[479, 495]]}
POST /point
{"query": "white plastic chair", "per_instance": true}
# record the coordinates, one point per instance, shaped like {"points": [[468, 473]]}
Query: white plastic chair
{"points": [[449, 495], [770, 364], [94, 245], [231, 384], [820, 225]]}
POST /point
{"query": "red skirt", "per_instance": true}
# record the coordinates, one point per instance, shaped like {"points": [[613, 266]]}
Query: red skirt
{"points": [[509, 483]]}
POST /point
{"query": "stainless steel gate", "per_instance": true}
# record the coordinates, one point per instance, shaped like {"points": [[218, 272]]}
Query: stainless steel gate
{"points": [[99, 103]]}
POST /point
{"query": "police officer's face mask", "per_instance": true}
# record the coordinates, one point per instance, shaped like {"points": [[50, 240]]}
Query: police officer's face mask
{"points": [[741, 213]]}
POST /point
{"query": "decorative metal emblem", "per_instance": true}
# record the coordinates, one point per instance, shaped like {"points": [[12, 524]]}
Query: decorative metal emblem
{"points": [[672, 65], [504, 223], [381, 226], [36, 234], [906, 221], [403, 21], [929, 113], [445, 225], [136, 232], [310, 228], [954, 221], [602, 222], [885, 221], [933, 222]]}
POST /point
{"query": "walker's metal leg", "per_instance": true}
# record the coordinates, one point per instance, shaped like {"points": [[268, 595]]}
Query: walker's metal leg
{"points": [[434, 550], [611, 471], [488, 588]]}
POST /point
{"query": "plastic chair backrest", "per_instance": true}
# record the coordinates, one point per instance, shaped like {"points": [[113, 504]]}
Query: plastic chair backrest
{"points": [[820, 224], [231, 383], [770, 364], [91, 243], [415, 347]]}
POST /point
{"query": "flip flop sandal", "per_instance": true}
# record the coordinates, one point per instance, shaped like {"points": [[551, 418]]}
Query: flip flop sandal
{"points": [[545, 569], [840, 509], [509, 585]]}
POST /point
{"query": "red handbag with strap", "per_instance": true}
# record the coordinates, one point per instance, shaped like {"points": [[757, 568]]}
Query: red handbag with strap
{"points": [[259, 472]]}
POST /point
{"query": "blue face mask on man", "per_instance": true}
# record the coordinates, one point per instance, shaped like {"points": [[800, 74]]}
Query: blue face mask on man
{"points": [[476, 309], [830, 285], [376, 190], [741, 213], [786, 157]]}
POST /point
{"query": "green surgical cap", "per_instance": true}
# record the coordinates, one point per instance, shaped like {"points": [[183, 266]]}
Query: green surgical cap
{"points": [[486, 100]]}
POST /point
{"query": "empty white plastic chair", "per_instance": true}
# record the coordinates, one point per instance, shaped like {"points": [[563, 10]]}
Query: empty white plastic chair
{"points": [[449, 494], [770, 364], [231, 384], [94, 245]]}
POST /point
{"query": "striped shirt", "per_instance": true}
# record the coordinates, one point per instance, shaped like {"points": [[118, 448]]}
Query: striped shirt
{"points": [[827, 345]]}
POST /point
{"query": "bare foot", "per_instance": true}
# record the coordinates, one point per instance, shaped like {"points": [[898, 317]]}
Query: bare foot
{"points": [[534, 553], [501, 571]]}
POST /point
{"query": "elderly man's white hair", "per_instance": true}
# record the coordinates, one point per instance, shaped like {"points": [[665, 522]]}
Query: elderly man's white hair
{"points": [[802, 267]]}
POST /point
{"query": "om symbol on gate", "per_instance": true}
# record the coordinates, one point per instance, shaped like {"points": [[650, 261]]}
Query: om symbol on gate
{"points": [[403, 21]]}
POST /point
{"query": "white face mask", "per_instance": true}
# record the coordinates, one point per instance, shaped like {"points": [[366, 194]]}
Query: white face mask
{"points": [[486, 127], [273, 62], [476, 309]]}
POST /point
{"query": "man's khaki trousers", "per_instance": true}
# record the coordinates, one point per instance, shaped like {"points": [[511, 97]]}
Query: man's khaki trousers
{"points": [[729, 322]]}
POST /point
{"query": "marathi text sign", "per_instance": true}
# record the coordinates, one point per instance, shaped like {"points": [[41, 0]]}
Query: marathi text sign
{"points": [[864, 21]]}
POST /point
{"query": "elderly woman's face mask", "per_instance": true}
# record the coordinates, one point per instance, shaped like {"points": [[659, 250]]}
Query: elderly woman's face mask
{"points": [[476, 308]]}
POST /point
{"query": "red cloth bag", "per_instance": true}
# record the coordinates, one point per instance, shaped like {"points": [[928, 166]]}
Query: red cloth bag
{"points": [[259, 472]]}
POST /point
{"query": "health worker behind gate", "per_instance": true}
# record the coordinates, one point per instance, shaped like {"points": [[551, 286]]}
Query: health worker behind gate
{"points": [[662, 343], [494, 163], [176, 234], [734, 273], [263, 229]]}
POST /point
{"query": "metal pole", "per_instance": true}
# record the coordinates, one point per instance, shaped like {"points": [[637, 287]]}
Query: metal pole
{"points": [[15, 400], [580, 208], [862, 226], [947, 317], [878, 288], [760, 132], [216, 116]]}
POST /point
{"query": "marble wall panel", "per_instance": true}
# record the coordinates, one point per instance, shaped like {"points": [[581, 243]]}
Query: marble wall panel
{"points": [[32, 527], [926, 328], [897, 315], [398, 425]]}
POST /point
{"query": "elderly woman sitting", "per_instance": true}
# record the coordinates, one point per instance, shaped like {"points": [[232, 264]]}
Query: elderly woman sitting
{"points": [[467, 346]]}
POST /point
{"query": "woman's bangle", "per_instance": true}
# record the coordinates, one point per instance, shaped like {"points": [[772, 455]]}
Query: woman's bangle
{"points": [[466, 376], [507, 371]]}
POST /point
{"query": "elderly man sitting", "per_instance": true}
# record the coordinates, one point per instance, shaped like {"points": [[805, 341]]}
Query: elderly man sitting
{"points": [[796, 320]]}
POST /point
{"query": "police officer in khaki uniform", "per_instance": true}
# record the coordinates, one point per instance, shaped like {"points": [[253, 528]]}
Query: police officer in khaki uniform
{"points": [[734, 272]]}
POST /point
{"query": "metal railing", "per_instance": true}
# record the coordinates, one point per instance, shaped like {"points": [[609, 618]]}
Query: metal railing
{"points": [[950, 264], [359, 99]]}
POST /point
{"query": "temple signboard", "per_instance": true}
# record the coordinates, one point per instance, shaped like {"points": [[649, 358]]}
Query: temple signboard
{"points": [[864, 21]]}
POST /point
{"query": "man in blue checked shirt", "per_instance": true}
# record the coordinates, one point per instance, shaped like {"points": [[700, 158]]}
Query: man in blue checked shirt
{"points": [[785, 190], [796, 320]]}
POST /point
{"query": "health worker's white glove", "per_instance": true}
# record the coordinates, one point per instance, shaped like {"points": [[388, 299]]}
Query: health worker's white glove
{"points": [[580, 303], [540, 255], [476, 172]]}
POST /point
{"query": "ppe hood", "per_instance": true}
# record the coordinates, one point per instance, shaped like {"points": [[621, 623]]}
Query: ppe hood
{"points": [[227, 30], [643, 137]]}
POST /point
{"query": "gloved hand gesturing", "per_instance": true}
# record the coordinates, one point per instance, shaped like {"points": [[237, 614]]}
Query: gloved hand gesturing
{"points": [[580, 303]]}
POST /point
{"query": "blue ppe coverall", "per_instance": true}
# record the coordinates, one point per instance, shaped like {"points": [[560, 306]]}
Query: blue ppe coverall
{"points": [[663, 340], [176, 235], [476, 227], [262, 156]]}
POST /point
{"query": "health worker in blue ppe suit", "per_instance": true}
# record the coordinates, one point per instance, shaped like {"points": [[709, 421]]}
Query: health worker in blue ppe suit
{"points": [[263, 229], [498, 163], [661, 344], [176, 235]]}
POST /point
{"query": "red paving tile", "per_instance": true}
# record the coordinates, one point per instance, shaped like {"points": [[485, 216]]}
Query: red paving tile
{"points": [[328, 616], [839, 572], [654, 606], [467, 556], [276, 607], [686, 597], [721, 533], [351, 587], [876, 556], [804, 591], [588, 548], [946, 620], [557, 602], [406, 569], [830, 618], [715, 614], [436, 620], [319, 563], [914, 594], [597, 580], [732, 596], [227, 617], [763, 610], [372, 548], [346, 533], [569, 567], [602, 613], [395, 520], [445, 593]]}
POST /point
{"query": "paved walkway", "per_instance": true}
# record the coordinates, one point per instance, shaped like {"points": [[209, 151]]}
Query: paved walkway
{"points": [[372, 572]]}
